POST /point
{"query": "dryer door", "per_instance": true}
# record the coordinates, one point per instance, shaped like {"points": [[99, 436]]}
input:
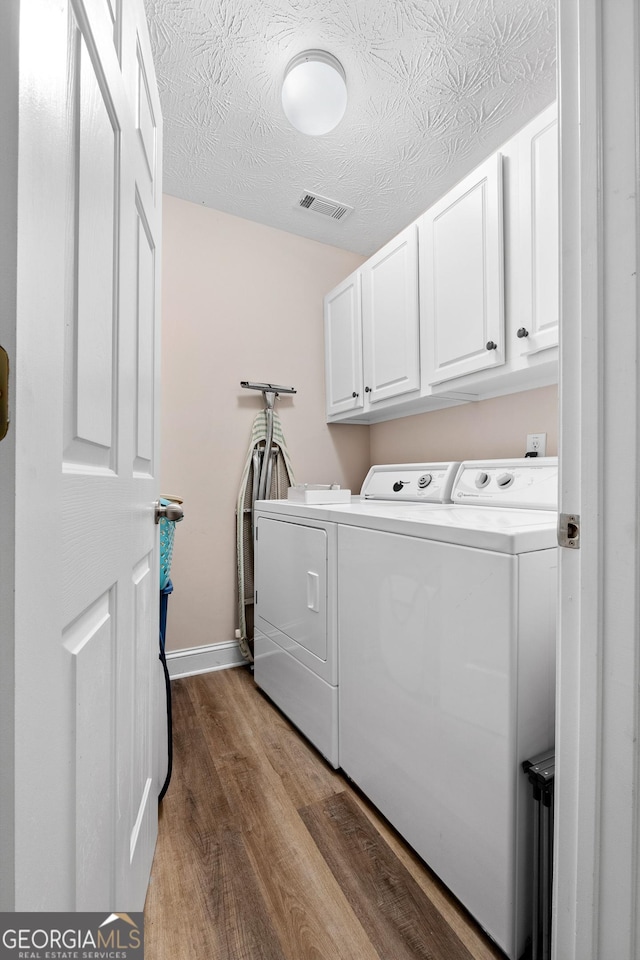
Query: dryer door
{"points": [[291, 584]]}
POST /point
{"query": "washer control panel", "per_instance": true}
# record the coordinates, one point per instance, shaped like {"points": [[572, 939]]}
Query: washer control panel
{"points": [[530, 483], [428, 482]]}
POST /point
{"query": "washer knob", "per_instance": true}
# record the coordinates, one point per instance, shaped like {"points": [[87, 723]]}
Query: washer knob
{"points": [[398, 485], [424, 481], [505, 480], [482, 479]]}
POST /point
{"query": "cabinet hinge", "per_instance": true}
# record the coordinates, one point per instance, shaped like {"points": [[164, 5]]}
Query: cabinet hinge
{"points": [[569, 530]]}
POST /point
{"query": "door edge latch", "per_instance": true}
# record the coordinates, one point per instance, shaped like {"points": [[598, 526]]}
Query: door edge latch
{"points": [[569, 530], [4, 393]]}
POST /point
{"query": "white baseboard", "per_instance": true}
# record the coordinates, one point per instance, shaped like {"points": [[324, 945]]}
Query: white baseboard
{"points": [[215, 656]]}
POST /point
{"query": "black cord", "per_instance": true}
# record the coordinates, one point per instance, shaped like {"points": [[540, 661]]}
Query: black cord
{"points": [[164, 594], [167, 683]]}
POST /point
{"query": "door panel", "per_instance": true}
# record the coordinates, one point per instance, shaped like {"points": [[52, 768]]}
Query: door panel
{"points": [[462, 278], [86, 569], [146, 124], [90, 641], [343, 347], [390, 320], [91, 329], [292, 582], [145, 315], [458, 240], [97, 255], [540, 236]]}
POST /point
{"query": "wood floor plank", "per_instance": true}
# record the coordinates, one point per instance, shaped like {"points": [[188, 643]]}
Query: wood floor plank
{"points": [[400, 920], [202, 873], [194, 766], [178, 889], [304, 773], [312, 917], [450, 908], [208, 905], [243, 923]]}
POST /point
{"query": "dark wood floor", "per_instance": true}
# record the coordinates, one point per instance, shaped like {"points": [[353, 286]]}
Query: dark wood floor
{"points": [[266, 853]]}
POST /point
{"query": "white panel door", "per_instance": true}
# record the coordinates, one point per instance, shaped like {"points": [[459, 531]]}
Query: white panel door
{"points": [[87, 682], [343, 347], [539, 218], [390, 319], [462, 278]]}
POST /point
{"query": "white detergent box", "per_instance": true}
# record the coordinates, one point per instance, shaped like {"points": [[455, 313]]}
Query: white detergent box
{"points": [[318, 493]]}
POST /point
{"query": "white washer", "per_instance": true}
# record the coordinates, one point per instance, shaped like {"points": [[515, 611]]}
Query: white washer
{"points": [[296, 613], [447, 678]]}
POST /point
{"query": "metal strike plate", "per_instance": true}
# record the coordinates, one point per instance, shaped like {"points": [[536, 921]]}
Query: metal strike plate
{"points": [[569, 530], [4, 393]]}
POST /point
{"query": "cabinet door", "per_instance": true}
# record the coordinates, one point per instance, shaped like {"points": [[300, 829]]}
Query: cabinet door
{"points": [[539, 290], [343, 347], [390, 319], [462, 278]]}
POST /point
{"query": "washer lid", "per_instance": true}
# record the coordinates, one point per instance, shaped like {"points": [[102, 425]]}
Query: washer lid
{"points": [[419, 482]]}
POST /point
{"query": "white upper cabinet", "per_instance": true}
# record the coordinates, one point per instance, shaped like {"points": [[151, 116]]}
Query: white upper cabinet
{"points": [[538, 301], [343, 347], [390, 319], [462, 279], [463, 304]]}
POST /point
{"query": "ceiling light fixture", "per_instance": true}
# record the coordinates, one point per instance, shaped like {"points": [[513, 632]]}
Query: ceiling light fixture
{"points": [[314, 92]]}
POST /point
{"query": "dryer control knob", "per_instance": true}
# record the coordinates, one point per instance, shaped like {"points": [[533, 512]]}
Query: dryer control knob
{"points": [[505, 480], [482, 479]]}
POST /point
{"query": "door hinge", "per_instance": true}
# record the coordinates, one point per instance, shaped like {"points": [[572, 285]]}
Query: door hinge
{"points": [[569, 530], [4, 393]]}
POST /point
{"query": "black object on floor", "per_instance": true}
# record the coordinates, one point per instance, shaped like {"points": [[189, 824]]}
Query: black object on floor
{"points": [[164, 595]]}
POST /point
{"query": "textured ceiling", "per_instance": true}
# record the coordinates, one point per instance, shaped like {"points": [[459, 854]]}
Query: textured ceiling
{"points": [[434, 87]]}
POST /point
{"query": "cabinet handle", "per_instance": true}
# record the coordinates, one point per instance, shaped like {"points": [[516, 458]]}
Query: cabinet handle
{"points": [[367, 389], [354, 395], [522, 332], [491, 345]]}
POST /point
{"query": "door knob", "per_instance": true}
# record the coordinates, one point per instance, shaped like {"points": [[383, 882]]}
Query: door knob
{"points": [[171, 511], [522, 332], [491, 345]]}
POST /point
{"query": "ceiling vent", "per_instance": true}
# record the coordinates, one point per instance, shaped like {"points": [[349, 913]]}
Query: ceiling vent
{"points": [[328, 208]]}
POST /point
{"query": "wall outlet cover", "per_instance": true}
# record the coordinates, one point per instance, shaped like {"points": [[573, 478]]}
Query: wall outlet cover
{"points": [[537, 443]]}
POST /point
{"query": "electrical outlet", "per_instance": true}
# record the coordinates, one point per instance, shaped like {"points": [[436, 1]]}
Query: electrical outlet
{"points": [[537, 443]]}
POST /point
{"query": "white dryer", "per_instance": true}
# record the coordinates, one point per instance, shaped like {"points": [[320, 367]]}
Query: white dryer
{"points": [[296, 581]]}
